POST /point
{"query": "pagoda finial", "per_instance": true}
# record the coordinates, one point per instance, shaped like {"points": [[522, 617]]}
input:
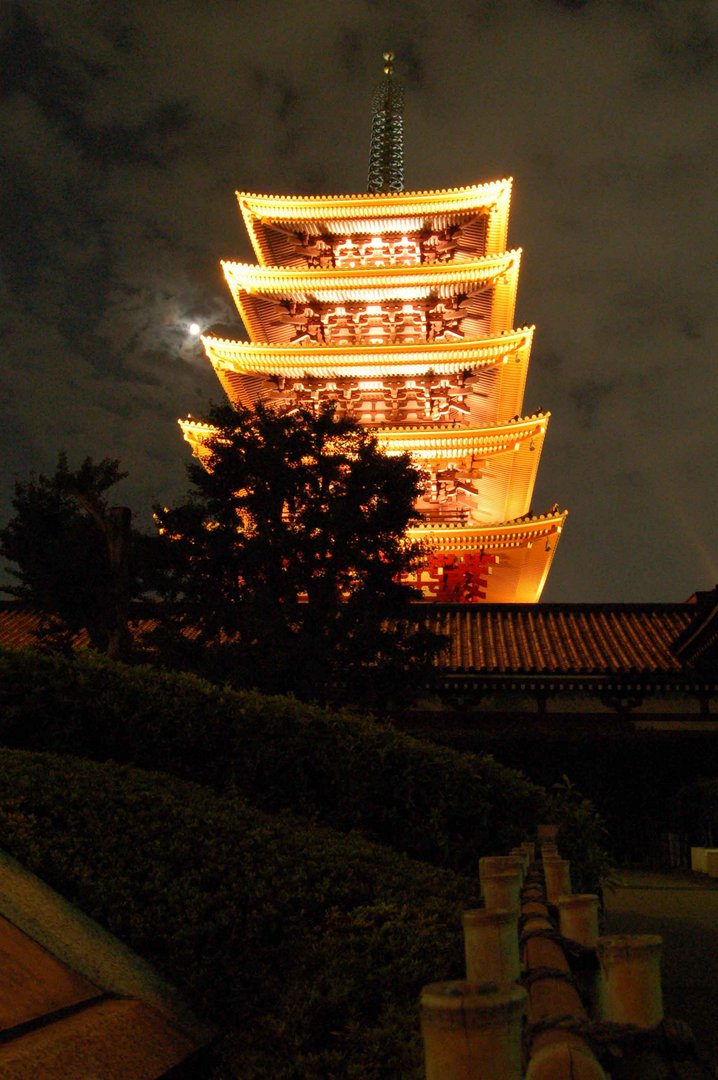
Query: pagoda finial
{"points": [[386, 156]]}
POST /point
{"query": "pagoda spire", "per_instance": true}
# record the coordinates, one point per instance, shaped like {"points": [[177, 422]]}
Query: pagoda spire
{"points": [[386, 155]]}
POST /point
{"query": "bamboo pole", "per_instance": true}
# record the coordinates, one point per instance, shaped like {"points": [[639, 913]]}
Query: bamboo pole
{"points": [[630, 979], [472, 1031], [491, 945], [578, 918]]}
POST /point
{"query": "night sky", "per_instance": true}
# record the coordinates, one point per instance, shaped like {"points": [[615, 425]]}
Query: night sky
{"points": [[125, 129]]}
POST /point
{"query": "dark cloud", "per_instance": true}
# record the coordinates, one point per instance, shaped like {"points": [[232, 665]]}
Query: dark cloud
{"points": [[350, 50], [32, 65], [686, 44], [153, 142], [569, 5], [60, 84], [589, 397], [412, 65]]}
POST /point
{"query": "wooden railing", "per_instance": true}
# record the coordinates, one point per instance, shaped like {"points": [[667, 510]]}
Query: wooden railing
{"points": [[545, 997]]}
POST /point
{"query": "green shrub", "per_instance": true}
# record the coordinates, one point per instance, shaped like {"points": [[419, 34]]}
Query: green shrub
{"points": [[431, 802], [631, 777], [582, 837], [308, 946]]}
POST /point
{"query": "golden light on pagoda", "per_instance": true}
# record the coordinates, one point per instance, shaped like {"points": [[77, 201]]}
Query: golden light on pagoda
{"points": [[398, 307]]}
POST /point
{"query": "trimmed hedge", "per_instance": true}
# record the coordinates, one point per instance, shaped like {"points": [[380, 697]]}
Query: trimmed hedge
{"points": [[631, 777], [308, 946], [431, 802]]}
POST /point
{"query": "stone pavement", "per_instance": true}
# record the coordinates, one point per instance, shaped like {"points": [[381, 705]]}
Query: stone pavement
{"points": [[681, 906]]}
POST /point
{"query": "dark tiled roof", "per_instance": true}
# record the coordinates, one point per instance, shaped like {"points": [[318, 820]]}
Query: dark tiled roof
{"points": [[516, 639], [698, 645], [563, 639], [18, 625]]}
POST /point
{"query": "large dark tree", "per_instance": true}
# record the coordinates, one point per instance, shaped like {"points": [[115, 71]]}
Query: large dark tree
{"points": [[77, 560], [291, 550]]}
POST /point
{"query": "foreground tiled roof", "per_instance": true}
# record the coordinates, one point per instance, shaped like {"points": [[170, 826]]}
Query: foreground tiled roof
{"points": [[108, 1039], [563, 639], [75, 1002]]}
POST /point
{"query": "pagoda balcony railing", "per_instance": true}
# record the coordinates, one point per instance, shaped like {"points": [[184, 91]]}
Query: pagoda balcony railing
{"points": [[444, 515]]}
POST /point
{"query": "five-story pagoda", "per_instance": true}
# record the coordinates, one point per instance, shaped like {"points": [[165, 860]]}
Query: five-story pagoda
{"points": [[398, 306]]}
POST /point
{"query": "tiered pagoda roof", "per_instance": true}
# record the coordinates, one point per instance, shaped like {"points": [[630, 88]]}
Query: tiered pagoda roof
{"points": [[495, 368], [479, 214], [469, 299]]}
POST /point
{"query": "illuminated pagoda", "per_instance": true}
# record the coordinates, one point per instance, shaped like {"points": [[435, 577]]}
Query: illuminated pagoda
{"points": [[398, 307]]}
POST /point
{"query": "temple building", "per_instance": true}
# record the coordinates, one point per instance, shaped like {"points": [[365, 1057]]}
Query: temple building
{"points": [[399, 308]]}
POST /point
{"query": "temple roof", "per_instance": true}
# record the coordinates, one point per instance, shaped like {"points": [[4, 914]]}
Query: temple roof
{"points": [[74, 1001], [426, 440], [500, 537], [519, 553], [698, 646], [378, 283], [496, 642], [498, 367], [494, 468], [497, 465], [259, 291], [268, 216], [563, 639], [408, 361]]}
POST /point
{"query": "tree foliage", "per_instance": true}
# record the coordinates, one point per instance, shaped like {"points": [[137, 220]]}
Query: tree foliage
{"points": [[290, 552], [76, 559]]}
